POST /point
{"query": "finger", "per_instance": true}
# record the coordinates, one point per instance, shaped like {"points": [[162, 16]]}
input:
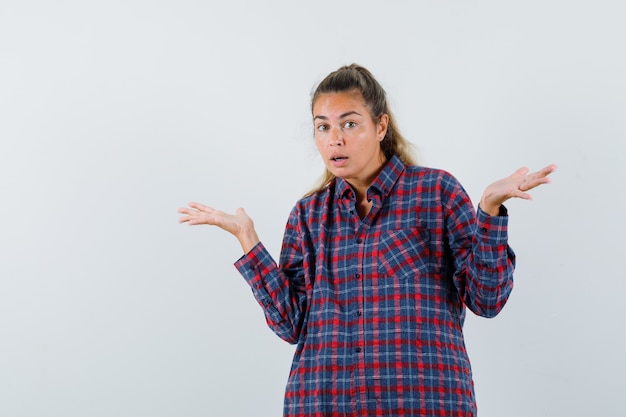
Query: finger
{"points": [[519, 189], [537, 178], [199, 206], [549, 169], [524, 196], [544, 172], [521, 172], [527, 186], [535, 181]]}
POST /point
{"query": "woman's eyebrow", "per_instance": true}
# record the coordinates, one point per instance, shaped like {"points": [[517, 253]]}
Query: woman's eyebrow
{"points": [[341, 116]]}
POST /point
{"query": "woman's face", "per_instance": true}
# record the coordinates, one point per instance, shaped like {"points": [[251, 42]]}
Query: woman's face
{"points": [[347, 138]]}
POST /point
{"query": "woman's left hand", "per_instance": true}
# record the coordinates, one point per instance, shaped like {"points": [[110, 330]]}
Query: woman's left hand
{"points": [[514, 186]]}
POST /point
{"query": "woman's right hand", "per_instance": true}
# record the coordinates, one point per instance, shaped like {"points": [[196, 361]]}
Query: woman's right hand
{"points": [[239, 224]]}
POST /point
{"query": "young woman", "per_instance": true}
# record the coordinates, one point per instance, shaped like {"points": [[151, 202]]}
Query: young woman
{"points": [[377, 266]]}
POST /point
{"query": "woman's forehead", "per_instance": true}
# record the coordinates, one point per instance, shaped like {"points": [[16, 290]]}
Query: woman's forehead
{"points": [[338, 103]]}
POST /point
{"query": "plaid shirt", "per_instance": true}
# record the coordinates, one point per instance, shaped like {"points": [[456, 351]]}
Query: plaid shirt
{"points": [[376, 305]]}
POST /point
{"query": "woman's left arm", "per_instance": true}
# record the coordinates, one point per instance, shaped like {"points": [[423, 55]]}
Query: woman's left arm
{"points": [[483, 260]]}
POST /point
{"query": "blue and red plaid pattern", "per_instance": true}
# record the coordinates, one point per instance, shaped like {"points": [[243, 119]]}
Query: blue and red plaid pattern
{"points": [[376, 305]]}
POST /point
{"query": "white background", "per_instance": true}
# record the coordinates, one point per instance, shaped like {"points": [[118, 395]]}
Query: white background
{"points": [[115, 113]]}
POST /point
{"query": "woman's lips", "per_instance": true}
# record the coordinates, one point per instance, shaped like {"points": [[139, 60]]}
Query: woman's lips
{"points": [[338, 161]]}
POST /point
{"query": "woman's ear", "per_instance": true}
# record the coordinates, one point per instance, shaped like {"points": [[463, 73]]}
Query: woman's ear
{"points": [[383, 122]]}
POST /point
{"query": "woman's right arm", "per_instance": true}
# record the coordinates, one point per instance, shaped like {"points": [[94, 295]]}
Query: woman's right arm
{"points": [[280, 291]]}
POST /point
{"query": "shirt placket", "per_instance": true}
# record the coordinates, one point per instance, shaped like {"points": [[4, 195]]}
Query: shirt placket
{"points": [[362, 356]]}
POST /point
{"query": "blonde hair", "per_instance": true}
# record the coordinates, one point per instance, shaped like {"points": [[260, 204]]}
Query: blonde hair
{"points": [[356, 78]]}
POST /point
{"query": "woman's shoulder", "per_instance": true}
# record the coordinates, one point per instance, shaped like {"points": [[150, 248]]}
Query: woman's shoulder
{"points": [[314, 199], [430, 175], [434, 184]]}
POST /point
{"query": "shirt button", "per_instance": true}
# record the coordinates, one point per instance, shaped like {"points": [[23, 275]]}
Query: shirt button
{"points": [[357, 350], [357, 276], [358, 313], [359, 240]]}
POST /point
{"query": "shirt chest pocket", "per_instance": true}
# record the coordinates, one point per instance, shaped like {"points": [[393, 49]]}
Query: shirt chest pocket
{"points": [[403, 253]]}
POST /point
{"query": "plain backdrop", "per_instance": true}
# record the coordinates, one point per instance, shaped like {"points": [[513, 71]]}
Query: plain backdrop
{"points": [[113, 114]]}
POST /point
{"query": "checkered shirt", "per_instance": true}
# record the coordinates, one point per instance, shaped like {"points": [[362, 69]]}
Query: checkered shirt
{"points": [[376, 305]]}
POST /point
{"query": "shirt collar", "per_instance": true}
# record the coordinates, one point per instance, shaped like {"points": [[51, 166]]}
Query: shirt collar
{"points": [[382, 184]]}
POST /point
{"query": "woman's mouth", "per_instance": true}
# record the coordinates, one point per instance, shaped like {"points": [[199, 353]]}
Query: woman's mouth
{"points": [[338, 161]]}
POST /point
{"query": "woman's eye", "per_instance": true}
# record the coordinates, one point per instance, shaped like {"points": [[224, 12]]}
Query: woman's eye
{"points": [[322, 128], [349, 125]]}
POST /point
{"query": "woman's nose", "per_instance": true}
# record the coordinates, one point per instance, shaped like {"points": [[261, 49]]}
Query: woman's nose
{"points": [[336, 137]]}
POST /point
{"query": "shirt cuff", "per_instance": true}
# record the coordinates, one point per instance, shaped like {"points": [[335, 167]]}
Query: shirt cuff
{"points": [[493, 229], [254, 264]]}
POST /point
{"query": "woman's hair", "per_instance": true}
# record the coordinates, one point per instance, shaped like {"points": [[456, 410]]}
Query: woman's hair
{"points": [[355, 77]]}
